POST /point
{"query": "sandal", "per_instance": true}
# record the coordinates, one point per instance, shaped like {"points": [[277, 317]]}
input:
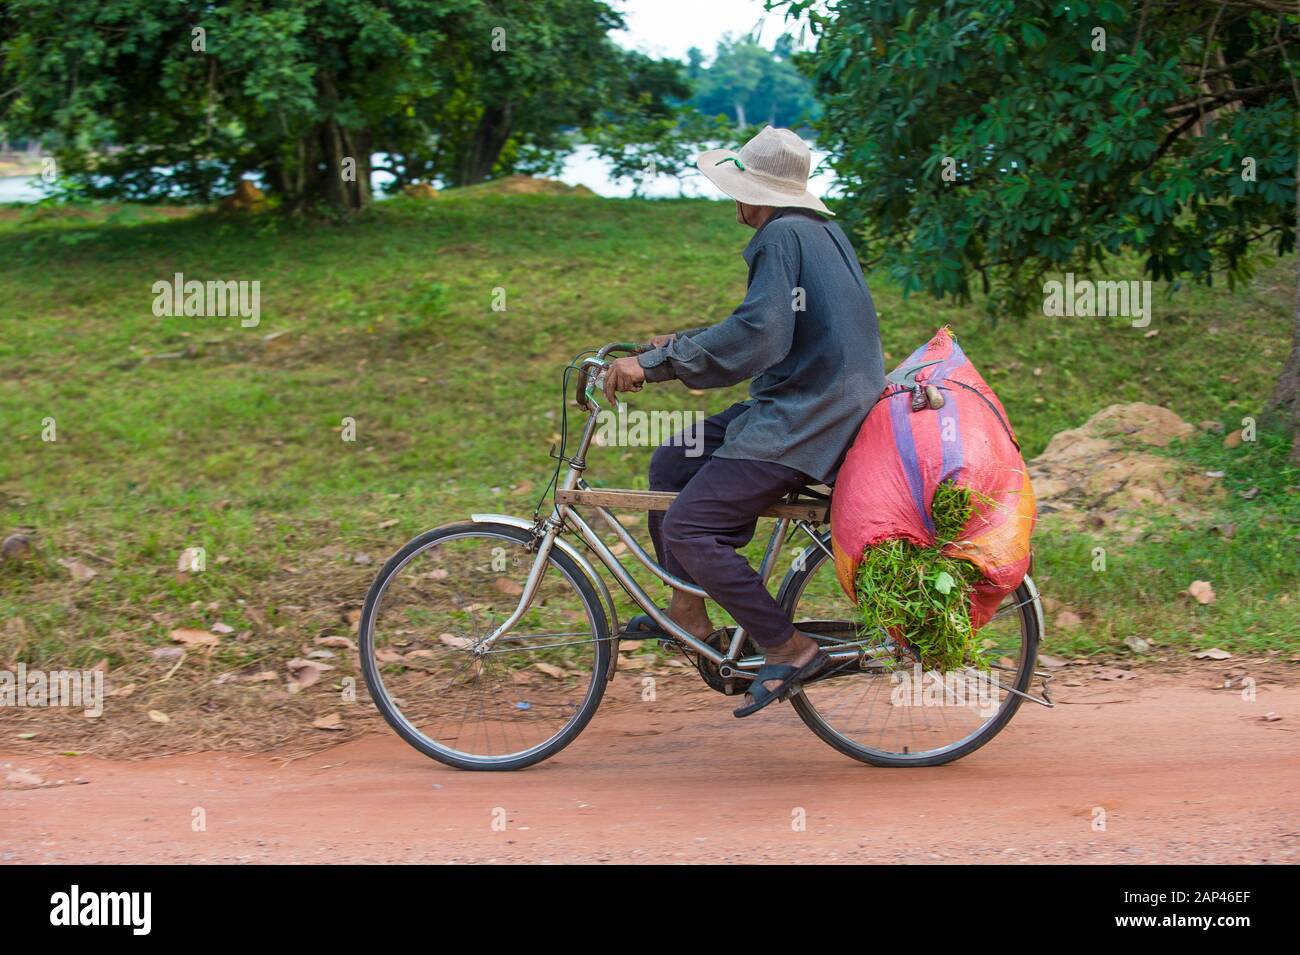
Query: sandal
{"points": [[790, 677], [643, 627]]}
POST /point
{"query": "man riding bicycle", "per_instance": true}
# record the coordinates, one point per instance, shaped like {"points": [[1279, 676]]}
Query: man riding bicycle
{"points": [[806, 334]]}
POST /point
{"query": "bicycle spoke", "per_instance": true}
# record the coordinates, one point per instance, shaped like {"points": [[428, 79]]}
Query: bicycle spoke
{"points": [[902, 714], [465, 700]]}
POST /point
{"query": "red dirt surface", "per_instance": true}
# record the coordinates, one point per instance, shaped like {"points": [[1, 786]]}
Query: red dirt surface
{"points": [[1183, 771]]}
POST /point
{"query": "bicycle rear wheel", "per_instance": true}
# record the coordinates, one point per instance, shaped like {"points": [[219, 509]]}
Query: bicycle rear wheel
{"points": [[883, 709], [520, 701]]}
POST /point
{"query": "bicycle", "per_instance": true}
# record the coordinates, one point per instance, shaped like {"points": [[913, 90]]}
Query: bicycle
{"points": [[481, 671]]}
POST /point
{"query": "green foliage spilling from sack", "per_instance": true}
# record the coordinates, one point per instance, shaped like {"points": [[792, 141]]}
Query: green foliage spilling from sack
{"points": [[920, 594]]}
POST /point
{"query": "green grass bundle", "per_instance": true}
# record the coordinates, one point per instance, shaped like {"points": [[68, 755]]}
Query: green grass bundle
{"points": [[920, 594]]}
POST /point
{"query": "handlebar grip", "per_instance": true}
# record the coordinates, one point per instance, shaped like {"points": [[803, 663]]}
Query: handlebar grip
{"points": [[632, 348], [580, 396]]}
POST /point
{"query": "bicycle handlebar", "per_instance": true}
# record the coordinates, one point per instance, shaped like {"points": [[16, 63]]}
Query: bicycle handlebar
{"points": [[580, 396]]}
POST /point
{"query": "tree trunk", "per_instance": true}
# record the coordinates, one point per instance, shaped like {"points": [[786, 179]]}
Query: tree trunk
{"points": [[1286, 395], [334, 163], [489, 138]]}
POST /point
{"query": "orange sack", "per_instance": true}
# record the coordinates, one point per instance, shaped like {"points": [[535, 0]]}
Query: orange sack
{"points": [[887, 482]]}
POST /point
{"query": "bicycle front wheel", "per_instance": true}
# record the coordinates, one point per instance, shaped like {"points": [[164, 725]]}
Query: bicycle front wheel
{"points": [[883, 709], [514, 704]]}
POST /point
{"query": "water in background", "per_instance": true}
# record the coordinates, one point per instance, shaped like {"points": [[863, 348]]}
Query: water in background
{"points": [[582, 168], [20, 188], [585, 168]]}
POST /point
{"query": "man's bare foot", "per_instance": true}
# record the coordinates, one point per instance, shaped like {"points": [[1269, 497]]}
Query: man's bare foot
{"points": [[796, 651], [687, 611]]}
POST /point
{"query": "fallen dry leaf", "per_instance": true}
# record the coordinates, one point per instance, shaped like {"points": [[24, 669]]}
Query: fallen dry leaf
{"points": [[158, 716], [451, 640], [1201, 591], [16, 547], [331, 721], [549, 670], [1214, 653], [340, 642], [306, 673], [75, 567], [507, 586], [195, 638], [1068, 620]]}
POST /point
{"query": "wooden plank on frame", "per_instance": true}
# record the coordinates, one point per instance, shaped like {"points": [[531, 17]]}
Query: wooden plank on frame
{"points": [[802, 510]]}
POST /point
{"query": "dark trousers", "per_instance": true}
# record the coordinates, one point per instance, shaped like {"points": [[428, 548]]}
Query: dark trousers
{"points": [[715, 513]]}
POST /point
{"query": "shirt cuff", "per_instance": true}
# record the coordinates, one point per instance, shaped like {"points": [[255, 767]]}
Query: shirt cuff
{"points": [[656, 365]]}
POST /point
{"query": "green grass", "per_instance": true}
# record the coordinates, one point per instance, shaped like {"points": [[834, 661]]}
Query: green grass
{"points": [[235, 445], [921, 595]]}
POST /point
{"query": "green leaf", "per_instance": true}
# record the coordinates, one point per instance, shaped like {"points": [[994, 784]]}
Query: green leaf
{"points": [[944, 582]]}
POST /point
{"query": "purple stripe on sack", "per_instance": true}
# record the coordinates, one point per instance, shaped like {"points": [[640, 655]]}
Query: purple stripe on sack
{"points": [[900, 416], [917, 356], [948, 366], [950, 424]]}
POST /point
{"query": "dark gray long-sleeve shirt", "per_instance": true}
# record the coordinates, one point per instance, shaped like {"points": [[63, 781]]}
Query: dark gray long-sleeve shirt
{"points": [[816, 370]]}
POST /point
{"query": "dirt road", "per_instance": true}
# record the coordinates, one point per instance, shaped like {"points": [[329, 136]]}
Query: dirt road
{"points": [[1176, 770]]}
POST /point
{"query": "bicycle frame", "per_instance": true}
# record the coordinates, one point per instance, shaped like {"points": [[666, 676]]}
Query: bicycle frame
{"points": [[565, 514]]}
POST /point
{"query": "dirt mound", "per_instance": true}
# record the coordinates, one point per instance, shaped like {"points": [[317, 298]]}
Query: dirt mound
{"points": [[1099, 475], [247, 198], [420, 190], [521, 186]]}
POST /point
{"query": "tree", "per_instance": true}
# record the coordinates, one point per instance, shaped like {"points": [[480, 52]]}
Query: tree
{"points": [[177, 99], [550, 70], [646, 130], [1071, 132], [144, 99], [752, 84]]}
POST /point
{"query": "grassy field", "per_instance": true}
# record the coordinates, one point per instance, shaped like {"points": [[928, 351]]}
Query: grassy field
{"points": [[197, 432]]}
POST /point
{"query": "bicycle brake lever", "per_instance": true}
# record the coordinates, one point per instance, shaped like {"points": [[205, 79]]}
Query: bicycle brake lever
{"points": [[597, 386]]}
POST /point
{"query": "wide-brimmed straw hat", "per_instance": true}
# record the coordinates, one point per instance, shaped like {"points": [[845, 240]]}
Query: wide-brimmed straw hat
{"points": [[769, 170]]}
